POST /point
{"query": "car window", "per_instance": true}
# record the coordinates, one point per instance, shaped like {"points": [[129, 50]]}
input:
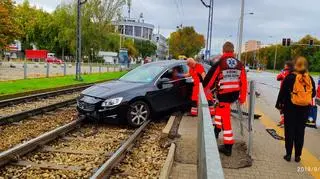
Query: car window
{"points": [[185, 68], [173, 73], [142, 74]]}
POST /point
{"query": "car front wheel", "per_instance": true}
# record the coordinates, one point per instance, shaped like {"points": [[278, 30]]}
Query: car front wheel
{"points": [[138, 113]]}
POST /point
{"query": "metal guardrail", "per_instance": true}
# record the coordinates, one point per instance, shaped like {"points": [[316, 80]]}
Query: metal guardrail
{"points": [[208, 163]]}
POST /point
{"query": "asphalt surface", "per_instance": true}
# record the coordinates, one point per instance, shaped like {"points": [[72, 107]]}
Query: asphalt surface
{"points": [[268, 87]]}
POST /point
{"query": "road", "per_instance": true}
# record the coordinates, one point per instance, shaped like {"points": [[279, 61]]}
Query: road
{"points": [[269, 88]]}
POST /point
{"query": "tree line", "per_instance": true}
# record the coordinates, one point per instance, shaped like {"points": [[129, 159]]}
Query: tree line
{"points": [[56, 31], [266, 56]]}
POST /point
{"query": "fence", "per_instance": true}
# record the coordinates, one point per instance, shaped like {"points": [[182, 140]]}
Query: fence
{"points": [[21, 70], [245, 114], [208, 163]]}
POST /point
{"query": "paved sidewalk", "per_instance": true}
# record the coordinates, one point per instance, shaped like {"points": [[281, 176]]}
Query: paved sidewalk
{"points": [[267, 154], [184, 166]]}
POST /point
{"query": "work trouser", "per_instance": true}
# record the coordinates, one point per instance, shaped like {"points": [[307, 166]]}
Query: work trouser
{"points": [[294, 128], [195, 98], [222, 121]]}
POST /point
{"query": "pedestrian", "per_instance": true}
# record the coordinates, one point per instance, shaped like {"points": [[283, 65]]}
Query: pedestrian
{"points": [[318, 89], [288, 67], [196, 71], [294, 99], [228, 79]]}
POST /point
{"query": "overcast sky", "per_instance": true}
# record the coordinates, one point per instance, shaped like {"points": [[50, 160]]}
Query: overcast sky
{"points": [[272, 19]]}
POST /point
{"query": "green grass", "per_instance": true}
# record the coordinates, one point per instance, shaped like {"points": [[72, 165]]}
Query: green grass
{"points": [[20, 86]]}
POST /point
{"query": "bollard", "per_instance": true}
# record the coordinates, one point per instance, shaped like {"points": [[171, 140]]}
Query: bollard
{"points": [[107, 68], [65, 69], [99, 68], [251, 115], [25, 70], [90, 68], [48, 70]]}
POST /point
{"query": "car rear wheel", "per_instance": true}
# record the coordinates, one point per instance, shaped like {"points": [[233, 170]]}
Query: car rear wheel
{"points": [[138, 113]]}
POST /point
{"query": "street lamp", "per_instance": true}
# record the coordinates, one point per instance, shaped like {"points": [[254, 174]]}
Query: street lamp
{"points": [[241, 28], [78, 53]]}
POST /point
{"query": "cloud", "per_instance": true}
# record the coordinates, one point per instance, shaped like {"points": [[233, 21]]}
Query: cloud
{"points": [[276, 18]]}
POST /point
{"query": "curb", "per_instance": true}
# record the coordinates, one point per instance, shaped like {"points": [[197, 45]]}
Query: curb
{"points": [[166, 169], [166, 130]]}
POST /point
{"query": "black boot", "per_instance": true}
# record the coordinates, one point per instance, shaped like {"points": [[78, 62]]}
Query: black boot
{"points": [[217, 132], [226, 149], [287, 158], [297, 159]]}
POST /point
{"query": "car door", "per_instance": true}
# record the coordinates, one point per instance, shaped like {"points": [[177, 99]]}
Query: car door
{"points": [[165, 97], [188, 86]]}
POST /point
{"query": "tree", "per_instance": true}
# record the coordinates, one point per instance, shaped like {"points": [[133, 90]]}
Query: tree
{"points": [[132, 51], [186, 41], [145, 48], [266, 56], [9, 30]]}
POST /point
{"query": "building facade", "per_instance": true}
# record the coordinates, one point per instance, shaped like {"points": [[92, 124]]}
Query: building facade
{"points": [[162, 46], [252, 45], [134, 28]]}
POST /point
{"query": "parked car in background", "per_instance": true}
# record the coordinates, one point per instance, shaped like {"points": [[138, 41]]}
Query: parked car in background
{"points": [[247, 68], [53, 60], [146, 91]]}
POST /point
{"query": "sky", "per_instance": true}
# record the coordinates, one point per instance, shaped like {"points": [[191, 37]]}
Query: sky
{"points": [[272, 19]]}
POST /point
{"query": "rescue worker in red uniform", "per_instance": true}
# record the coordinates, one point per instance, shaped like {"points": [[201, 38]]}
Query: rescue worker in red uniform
{"points": [[196, 71], [228, 80], [288, 67]]}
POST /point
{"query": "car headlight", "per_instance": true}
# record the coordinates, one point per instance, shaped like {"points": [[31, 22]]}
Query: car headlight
{"points": [[112, 102]]}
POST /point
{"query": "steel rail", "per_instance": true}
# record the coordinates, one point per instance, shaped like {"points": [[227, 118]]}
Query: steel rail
{"points": [[105, 170], [25, 114], [13, 101], [24, 148]]}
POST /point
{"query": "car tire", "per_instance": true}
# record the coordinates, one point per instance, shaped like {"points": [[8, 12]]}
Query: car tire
{"points": [[138, 113]]}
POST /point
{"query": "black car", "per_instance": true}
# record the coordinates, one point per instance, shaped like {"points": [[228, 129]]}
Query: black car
{"points": [[147, 90]]}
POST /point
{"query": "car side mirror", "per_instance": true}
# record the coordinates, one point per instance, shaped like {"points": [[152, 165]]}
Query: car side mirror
{"points": [[164, 83]]}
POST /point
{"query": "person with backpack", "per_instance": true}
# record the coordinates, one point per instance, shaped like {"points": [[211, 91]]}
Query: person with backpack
{"points": [[228, 79], [288, 67], [295, 99]]}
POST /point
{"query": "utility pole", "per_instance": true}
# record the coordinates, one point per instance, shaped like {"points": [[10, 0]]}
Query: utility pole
{"points": [[240, 30], [78, 39], [275, 58], [209, 30]]}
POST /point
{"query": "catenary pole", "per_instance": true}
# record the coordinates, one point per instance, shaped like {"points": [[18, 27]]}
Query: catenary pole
{"points": [[240, 30]]}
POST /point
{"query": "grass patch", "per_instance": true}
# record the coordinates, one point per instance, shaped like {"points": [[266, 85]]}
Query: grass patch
{"points": [[20, 86]]}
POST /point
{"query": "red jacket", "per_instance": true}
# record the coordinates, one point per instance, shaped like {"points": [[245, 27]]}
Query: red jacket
{"points": [[283, 74], [318, 89], [228, 76]]}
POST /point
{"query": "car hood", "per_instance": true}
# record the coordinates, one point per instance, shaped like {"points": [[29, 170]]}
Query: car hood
{"points": [[111, 88]]}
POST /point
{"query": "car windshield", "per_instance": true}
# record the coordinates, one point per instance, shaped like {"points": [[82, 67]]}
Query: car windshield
{"points": [[142, 74]]}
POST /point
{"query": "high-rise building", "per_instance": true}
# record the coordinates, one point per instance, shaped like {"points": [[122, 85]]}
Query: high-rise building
{"points": [[162, 46], [252, 45]]}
